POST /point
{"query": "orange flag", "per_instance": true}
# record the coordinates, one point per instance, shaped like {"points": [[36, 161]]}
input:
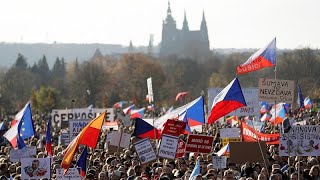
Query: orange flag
{"points": [[88, 136]]}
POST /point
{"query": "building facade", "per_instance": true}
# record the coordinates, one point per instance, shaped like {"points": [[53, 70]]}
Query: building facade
{"points": [[184, 42]]}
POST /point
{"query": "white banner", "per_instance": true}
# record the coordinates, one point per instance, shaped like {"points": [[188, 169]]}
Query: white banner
{"points": [[271, 90], [72, 174], [230, 133], [301, 140], [35, 168], [251, 97], [168, 146], [219, 162], [61, 117], [64, 139], [27, 152], [125, 140], [115, 138], [76, 126], [145, 151], [150, 90]]}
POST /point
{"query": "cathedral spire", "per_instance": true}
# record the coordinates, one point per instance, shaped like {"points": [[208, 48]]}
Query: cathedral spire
{"points": [[169, 9], [185, 26], [203, 17], [203, 23], [130, 48]]}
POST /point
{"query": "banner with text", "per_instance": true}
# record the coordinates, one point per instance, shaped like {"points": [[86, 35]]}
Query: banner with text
{"points": [[168, 146], [173, 127], [61, 117], [251, 97], [230, 133], [72, 174], [271, 90], [219, 162], [181, 150], [251, 135], [301, 140], [199, 143], [76, 126], [27, 152], [145, 151]]}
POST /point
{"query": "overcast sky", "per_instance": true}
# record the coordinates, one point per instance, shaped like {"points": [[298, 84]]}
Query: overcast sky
{"points": [[231, 23]]}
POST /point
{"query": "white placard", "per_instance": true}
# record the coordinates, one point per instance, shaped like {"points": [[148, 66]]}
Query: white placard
{"points": [[230, 133], [150, 90], [125, 140], [72, 174], [76, 126], [35, 168], [276, 90], [251, 97], [301, 140], [168, 146], [219, 162], [115, 138], [64, 139], [27, 152], [145, 151], [61, 117]]}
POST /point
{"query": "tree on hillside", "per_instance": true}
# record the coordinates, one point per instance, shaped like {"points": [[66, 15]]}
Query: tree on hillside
{"points": [[44, 99]]}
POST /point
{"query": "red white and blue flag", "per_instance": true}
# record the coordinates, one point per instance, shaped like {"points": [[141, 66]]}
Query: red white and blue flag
{"points": [[278, 114], [139, 113], [300, 99], [224, 151], [118, 104], [82, 162], [128, 109], [144, 129], [265, 57], [48, 139], [307, 103], [228, 100]]}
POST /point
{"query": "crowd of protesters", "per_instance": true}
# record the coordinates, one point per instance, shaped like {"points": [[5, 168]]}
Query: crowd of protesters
{"points": [[125, 164]]}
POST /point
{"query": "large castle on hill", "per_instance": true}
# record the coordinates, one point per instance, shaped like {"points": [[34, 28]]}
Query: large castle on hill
{"points": [[183, 42]]}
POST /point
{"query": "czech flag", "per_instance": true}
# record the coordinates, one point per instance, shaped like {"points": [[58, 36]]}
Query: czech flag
{"points": [[128, 109], [88, 137], [280, 112], [144, 129], [23, 128], [118, 104], [195, 171], [265, 117], [150, 107], [264, 108], [82, 162], [307, 103], [48, 139], [181, 95], [229, 99], [139, 113], [265, 57], [300, 99], [224, 151]]}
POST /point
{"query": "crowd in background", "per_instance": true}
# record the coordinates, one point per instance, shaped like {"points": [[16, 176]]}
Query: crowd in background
{"points": [[124, 164]]}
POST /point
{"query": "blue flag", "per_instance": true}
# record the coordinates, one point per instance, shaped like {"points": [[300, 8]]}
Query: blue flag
{"points": [[300, 98], [26, 129], [82, 162], [196, 170]]}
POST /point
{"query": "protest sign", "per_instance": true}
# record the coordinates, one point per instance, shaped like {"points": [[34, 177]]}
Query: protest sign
{"points": [[301, 140], [27, 152], [64, 139], [168, 146], [230, 133], [72, 174], [219, 162], [35, 168], [250, 152], [61, 117], [251, 97], [276, 90], [111, 126], [181, 150], [199, 143], [150, 90], [76, 126], [125, 140], [115, 138], [145, 151], [173, 127]]}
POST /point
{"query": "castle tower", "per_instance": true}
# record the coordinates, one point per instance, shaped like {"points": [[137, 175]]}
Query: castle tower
{"points": [[169, 32], [185, 26]]}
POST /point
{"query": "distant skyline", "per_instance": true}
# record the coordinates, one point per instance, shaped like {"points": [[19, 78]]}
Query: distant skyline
{"points": [[231, 23]]}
